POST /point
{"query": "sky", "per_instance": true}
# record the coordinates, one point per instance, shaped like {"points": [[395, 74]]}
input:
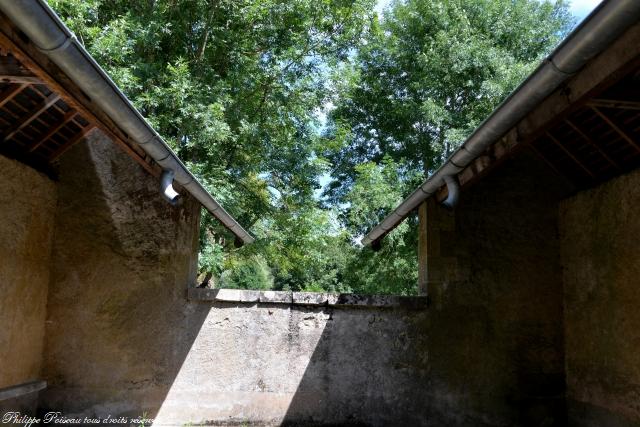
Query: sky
{"points": [[579, 8]]}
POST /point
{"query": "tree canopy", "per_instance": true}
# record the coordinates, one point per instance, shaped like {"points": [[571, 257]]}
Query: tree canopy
{"points": [[429, 73], [264, 99]]}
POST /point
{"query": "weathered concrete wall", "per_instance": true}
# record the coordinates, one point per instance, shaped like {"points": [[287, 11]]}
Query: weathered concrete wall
{"points": [[123, 339], [496, 337], [27, 209], [117, 326], [279, 363], [600, 231]]}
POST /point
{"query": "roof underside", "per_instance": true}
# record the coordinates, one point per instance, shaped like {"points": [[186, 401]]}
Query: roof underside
{"points": [[599, 140], [44, 110], [36, 125], [40, 120]]}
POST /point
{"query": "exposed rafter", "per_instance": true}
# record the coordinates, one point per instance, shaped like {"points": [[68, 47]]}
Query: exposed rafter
{"points": [[592, 143], [73, 141], [44, 106], [69, 116], [61, 110], [72, 96], [18, 106], [615, 103], [10, 93], [616, 128], [616, 63], [570, 154], [11, 71]]}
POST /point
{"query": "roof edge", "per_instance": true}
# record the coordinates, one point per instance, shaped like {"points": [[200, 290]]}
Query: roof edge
{"points": [[596, 32], [47, 31]]}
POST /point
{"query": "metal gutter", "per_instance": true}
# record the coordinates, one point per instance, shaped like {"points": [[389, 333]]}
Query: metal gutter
{"points": [[593, 35], [45, 29]]}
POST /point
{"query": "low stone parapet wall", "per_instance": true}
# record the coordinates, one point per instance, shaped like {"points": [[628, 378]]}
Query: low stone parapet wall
{"points": [[307, 298], [302, 358]]}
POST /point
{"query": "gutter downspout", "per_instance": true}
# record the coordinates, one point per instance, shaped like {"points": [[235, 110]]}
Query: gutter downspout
{"points": [[45, 29], [166, 187], [453, 188], [594, 34]]}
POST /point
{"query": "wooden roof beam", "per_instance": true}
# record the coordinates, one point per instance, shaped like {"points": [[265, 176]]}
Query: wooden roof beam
{"points": [[614, 103], [70, 143], [592, 143], [10, 93], [41, 66], [570, 154], [61, 110], [27, 110], [616, 128], [11, 71], [32, 80], [44, 106], [69, 116], [603, 71]]}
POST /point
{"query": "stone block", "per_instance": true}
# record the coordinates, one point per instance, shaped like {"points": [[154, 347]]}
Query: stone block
{"points": [[276, 297], [249, 296], [367, 300], [202, 294], [310, 298], [228, 295]]}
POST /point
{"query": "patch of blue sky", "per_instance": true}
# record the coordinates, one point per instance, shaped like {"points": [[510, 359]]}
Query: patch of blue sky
{"points": [[579, 8]]}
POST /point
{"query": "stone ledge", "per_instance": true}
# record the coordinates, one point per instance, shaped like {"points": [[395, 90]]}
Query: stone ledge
{"points": [[21, 389], [306, 298]]}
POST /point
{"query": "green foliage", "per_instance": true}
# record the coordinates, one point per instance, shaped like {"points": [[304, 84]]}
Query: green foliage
{"points": [[429, 73], [308, 250], [426, 75], [239, 89], [233, 86], [247, 273], [394, 269], [211, 258]]}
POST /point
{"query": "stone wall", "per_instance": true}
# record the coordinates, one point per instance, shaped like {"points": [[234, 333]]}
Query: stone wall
{"points": [[124, 339], [118, 328], [600, 231], [304, 360], [496, 336], [27, 210]]}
